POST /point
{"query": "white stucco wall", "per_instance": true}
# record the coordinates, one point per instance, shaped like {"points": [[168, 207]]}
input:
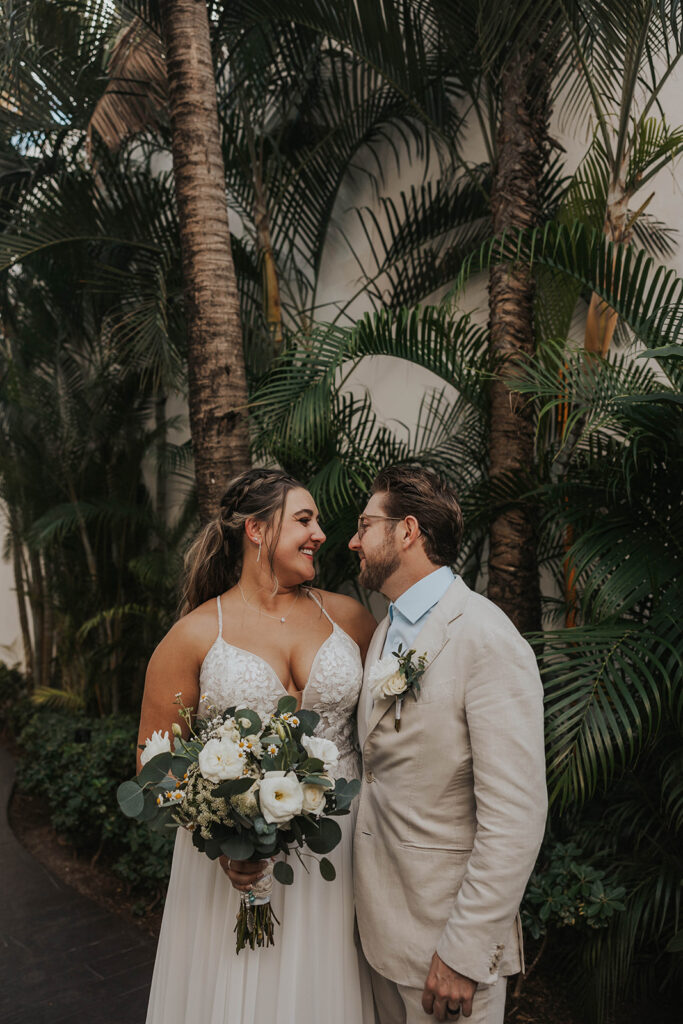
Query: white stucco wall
{"points": [[396, 387], [10, 634]]}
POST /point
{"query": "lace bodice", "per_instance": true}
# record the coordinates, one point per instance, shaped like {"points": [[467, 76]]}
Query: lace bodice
{"points": [[232, 676]]}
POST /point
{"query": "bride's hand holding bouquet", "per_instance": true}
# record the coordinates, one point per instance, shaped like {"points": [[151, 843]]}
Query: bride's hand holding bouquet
{"points": [[247, 790]]}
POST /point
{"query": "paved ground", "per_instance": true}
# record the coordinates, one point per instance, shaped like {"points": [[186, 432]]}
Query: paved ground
{"points": [[62, 958]]}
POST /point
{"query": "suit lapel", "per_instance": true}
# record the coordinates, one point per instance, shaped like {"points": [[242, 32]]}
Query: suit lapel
{"points": [[431, 640], [373, 655]]}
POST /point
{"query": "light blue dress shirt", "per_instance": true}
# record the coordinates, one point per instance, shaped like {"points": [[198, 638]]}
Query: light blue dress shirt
{"points": [[408, 613]]}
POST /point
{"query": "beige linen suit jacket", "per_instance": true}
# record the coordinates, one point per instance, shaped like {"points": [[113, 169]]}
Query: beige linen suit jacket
{"points": [[452, 808]]}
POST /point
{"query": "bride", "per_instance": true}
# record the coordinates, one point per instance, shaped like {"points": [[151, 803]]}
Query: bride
{"points": [[254, 631]]}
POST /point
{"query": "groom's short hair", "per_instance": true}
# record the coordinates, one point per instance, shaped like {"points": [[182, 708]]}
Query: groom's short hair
{"points": [[414, 491]]}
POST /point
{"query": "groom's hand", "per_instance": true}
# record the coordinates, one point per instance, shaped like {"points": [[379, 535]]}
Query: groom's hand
{"points": [[243, 873], [445, 987]]}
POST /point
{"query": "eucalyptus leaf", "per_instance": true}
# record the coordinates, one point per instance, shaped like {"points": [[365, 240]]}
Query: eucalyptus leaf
{"points": [[262, 827], [318, 780], [156, 769], [149, 811], [240, 818], [266, 846], [308, 721], [351, 788], [286, 705], [251, 717], [327, 837], [232, 787], [238, 848], [131, 798], [179, 766], [283, 872], [327, 870], [162, 821], [214, 849], [307, 826]]}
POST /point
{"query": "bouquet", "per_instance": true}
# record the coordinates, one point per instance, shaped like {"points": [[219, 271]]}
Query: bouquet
{"points": [[247, 789]]}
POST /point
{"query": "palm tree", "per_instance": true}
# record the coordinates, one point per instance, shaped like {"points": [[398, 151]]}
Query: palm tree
{"points": [[625, 53], [59, 114], [90, 554], [614, 682], [216, 374]]}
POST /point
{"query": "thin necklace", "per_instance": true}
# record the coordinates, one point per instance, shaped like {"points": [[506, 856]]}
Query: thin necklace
{"points": [[276, 618]]}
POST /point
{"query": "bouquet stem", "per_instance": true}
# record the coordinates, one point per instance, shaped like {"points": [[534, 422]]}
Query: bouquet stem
{"points": [[254, 926]]}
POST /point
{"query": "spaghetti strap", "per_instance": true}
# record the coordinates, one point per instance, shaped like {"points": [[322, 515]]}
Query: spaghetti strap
{"points": [[320, 606], [220, 616]]}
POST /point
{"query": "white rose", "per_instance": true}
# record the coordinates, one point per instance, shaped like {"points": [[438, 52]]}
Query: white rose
{"points": [[281, 797], [221, 759], [228, 729], [158, 744], [324, 750], [314, 798], [385, 678]]}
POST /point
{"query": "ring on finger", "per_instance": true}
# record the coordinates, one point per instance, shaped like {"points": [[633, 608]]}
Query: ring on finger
{"points": [[452, 1011]]}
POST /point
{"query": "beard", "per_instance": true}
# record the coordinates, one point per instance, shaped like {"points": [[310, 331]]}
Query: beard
{"points": [[378, 568]]}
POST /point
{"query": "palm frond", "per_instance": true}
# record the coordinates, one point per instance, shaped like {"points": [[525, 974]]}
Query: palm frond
{"points": [[606, 687]]}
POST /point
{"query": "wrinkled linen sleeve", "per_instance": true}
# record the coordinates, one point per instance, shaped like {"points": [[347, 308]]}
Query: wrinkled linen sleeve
{"points": [[504, 711]]}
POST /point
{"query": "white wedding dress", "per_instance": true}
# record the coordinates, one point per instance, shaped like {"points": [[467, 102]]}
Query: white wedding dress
{"points": [[314, 974]]}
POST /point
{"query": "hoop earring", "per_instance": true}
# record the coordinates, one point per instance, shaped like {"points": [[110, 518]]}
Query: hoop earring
{"points": [[258, 557]]}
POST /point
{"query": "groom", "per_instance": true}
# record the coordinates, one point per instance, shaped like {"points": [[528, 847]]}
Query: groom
{"points": [[452, 806]]}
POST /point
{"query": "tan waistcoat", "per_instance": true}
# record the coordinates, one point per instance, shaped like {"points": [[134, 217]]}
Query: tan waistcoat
{"points": [[452, 808]]}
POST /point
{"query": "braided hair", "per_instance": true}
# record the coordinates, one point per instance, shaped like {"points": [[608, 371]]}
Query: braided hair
{"points": [[213, 562]]}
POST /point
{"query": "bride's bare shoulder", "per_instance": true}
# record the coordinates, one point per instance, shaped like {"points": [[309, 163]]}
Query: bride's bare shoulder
{"points": [[193, 633], [353, 617]]}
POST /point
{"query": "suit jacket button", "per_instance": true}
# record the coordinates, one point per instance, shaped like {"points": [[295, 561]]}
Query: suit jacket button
{"points": [[369, 777]]}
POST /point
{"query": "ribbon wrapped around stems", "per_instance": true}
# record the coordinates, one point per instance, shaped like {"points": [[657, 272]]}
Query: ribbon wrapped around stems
{"points": [[255, 918]]}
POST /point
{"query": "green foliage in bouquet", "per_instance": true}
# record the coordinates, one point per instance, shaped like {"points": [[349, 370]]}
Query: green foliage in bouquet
{"points": [[247, 790]]}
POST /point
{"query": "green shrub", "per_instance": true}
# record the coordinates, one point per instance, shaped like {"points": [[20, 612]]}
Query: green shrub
{"points": [[566, 891], [15, 703], [75, 763]]}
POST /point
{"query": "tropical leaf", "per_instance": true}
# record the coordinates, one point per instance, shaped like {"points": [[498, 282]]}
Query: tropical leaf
{"points": [[606, 688]]}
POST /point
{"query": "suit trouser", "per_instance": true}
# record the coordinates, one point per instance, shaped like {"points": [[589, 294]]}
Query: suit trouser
{"points": [[399, 1004]]}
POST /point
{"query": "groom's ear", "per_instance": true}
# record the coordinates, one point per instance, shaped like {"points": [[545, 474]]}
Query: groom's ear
{"points": [[409, 531]]}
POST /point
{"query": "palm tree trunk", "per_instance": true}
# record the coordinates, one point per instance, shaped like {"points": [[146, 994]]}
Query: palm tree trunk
{"points": [[601, 320], [37, 599], [48, 640], [522, 153], [217, 378], [161, 490], [271, 284]]}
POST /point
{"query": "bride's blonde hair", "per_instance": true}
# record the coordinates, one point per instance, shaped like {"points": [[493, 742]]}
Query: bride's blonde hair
{"points": [[213, 562]]}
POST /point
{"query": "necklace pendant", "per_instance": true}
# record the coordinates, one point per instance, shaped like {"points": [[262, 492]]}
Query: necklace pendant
{"points": [[282, 619]]}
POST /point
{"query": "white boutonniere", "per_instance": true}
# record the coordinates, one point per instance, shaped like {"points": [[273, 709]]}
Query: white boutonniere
{"points": [[396, 675]]}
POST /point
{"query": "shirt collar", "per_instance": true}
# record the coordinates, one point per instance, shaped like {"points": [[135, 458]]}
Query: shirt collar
{"points": [[417, 600]]}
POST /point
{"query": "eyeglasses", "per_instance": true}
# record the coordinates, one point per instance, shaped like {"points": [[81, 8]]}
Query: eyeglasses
{"points": [[363, 526]]}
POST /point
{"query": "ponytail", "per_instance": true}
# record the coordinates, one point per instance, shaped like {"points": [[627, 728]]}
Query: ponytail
{"points": [[213, 562], [209, 567]]}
